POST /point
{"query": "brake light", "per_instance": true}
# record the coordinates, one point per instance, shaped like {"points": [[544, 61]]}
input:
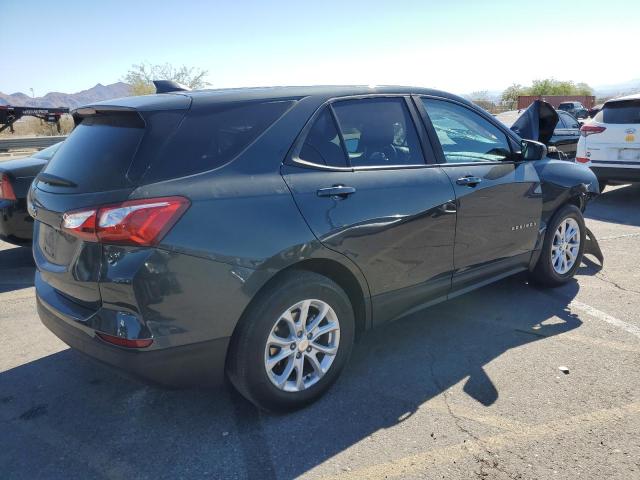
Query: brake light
{"points": [[125, 342], [135, 222], [587, 130], [582, 160], [6, 189]]}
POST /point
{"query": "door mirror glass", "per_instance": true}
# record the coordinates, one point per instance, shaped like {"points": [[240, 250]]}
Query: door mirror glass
{"points": [[532, 150]]}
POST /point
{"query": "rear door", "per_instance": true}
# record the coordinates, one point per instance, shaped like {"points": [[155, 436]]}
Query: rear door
{"points": [[498, 197], [367, 184]]}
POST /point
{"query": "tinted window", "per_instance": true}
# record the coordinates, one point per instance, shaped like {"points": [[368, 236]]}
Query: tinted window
{"points": [[209, 138], [627, 111], [378, 131], [464, 135], [97, 154], [569, 121], [322, 145]]}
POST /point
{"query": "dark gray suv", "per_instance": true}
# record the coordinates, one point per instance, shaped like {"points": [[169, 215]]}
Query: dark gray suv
{"points": [[257, 232]]}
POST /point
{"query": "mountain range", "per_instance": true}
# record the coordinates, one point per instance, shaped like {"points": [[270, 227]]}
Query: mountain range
{"points": [[120, 89], [70, 100]]}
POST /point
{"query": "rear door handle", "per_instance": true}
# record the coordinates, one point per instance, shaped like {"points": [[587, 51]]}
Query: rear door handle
{"points": [[469, 181], [336, 191]]}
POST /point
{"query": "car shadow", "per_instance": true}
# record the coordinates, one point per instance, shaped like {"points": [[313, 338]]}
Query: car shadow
{"points": [[16, 266], [84, 420], [616, 205]]}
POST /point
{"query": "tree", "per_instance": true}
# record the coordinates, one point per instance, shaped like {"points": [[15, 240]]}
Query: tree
{"points": [[510, 96], [546, 86], [141, 76], [551, 86], [481, 98]]}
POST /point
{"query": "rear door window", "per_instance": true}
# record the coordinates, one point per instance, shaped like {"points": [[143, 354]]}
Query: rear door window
{"points": [[378, 132], [322, 144], [210, 137], [569, 121], [627, 111]]}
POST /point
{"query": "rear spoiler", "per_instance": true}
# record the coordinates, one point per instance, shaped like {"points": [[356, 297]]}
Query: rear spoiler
{"points": [[168, 86]]}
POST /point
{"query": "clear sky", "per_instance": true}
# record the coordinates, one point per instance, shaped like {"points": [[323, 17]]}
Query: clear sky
{"points": [[456, 45]]}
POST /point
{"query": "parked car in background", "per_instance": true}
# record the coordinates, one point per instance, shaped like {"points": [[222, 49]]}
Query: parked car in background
{"points": [[565, 134], [574, 108], [257, 231], [16, 225], [610, 143], [594, 110]]}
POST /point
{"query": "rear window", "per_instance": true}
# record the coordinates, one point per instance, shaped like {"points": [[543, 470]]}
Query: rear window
{"points": [[209, 138], [627, 111], [98, 153]]}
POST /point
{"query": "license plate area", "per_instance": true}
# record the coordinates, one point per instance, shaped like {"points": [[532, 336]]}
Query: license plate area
{"points": [[629, 154], [57, 247]]}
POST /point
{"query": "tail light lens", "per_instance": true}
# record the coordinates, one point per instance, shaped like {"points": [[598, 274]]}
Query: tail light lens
{"points": [[6, 189], [587, 130], [582, 160], [125, 342], [136, 222]]}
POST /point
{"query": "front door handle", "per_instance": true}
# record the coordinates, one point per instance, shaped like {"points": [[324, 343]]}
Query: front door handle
{"points": [[469, 181], [336, 191]]}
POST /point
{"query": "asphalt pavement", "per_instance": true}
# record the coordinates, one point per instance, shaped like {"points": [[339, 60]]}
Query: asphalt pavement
{"points": [[507, 382]]}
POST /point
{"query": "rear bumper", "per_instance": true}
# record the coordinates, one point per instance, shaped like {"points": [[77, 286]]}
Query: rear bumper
{"points": [[181, 366], [615, 173]]}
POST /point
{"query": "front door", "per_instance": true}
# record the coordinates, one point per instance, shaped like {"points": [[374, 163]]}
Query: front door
{"points": [[498, 196], [366, 191]]}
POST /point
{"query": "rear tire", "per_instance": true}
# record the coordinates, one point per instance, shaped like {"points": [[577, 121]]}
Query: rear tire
{"points": [[562, 248], [274, 327]]}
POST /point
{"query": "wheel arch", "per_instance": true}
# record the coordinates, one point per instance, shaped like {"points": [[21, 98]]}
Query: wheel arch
{"points": [[356, 288]]}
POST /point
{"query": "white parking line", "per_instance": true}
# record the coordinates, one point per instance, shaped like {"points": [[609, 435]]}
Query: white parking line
{"points": [[605, 317]]}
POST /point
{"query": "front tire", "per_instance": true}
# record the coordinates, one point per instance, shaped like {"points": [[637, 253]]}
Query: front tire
{"points": [[292, 343], [562, 249]]}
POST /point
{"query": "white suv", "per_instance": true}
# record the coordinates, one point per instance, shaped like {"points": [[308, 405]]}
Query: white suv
{"points": [[610, 143]]}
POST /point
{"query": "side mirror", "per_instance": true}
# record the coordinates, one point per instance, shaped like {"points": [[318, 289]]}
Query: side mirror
{"points": [[532, 150]]}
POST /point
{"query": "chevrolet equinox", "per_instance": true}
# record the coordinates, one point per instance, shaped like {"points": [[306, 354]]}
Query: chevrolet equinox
{"points": [[253, 233]]}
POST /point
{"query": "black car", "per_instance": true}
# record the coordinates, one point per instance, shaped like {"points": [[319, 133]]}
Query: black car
{"points": [[574, 108], [564, 138], [16, 225], [257, 232]]}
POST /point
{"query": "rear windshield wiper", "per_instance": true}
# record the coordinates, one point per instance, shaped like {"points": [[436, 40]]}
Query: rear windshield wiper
{"points": [[55, 180]]}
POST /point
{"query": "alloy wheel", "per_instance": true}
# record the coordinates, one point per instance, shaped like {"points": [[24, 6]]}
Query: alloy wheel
{"points": [[302, 345], [565, 246]]}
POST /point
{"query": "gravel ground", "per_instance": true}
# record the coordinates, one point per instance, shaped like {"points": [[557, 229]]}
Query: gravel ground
{"points": [[472, 388]]}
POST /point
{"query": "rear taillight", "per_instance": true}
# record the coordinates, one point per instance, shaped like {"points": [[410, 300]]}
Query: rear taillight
{"points": [[582, 160], [6, 189], [587, 130], [125, 342], [136, 222]]}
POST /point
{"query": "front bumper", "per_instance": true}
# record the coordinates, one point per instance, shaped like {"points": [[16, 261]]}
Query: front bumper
{"points": [[199, 364]]}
